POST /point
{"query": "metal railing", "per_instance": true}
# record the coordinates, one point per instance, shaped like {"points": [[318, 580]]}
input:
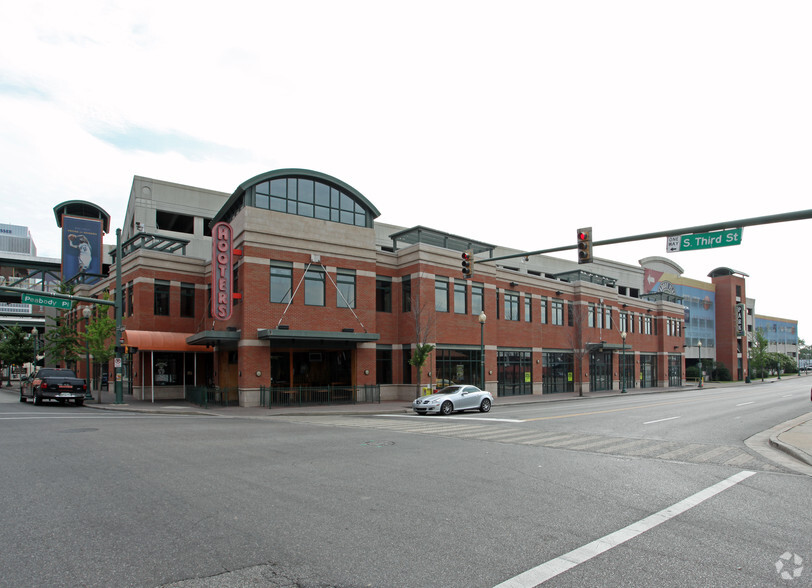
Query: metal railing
{"points": [[205, 396], [319, 395]]}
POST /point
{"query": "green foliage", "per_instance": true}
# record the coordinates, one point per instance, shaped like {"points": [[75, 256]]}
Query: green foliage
{"points": [[99, 333], [804, 350], [419, 357], [721, 373], [16, 347], [62, 341], [758, 353], [62, 344]]}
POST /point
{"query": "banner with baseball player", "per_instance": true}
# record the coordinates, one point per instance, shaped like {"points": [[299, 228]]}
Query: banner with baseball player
{"points": [[81, 247]]}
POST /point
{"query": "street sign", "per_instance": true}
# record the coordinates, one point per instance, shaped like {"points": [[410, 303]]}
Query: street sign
{"points": [[49, 301], [724, 238]]}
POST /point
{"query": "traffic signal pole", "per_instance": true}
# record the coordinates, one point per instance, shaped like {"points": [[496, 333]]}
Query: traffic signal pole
{"points": [[749, 222], [119, 328]]}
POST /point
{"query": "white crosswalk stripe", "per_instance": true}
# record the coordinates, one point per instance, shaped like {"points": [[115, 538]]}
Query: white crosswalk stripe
{"points": [[511, 434]]}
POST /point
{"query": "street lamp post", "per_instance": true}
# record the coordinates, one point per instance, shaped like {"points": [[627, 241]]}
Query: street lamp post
{"points": [[86, 312], [700, 364], [623, 336], [34, 335], [482, 319]]}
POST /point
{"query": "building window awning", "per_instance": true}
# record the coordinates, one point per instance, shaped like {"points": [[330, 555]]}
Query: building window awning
{"points": [[159, 341], [213, 337], [316, 336]]}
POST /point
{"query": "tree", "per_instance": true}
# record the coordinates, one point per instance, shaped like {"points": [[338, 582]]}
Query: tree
{"points": [[99, 336], [16, 348], [62, 342], [423, 327], [758, 353], [804, 350]]}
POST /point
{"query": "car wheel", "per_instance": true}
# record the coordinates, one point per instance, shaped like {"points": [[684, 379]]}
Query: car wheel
{"points": [[80, 401], [485, 406], [37, 399], [447, 408]]}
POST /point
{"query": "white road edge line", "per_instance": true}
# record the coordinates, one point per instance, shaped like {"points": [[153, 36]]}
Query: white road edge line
{"points": [[661, 420], [554, 567]]}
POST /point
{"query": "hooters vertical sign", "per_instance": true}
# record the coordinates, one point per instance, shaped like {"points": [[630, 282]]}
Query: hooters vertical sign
{"points": [[222, 266]]}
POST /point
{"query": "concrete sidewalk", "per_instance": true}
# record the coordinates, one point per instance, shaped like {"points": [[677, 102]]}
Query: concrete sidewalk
{"points": [[793, 437]]}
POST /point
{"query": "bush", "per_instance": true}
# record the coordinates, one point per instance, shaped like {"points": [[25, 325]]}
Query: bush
{"points": [[722, 374]]}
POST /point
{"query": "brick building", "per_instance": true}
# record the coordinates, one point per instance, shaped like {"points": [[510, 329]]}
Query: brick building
{"points": [[328, 299]]}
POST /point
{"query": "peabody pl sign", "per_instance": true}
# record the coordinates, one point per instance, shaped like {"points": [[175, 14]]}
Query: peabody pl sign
{"points": [[704, 240]]}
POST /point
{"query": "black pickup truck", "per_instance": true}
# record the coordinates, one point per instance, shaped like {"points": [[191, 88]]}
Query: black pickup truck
{"points": [[54, 384]]}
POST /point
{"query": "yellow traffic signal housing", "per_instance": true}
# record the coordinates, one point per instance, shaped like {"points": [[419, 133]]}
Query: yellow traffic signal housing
{"points": [[585, 245], [468, 264]]}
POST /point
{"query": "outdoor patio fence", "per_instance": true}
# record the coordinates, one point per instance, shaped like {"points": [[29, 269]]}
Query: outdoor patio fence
{"points": [[205, 396], [323, 395]]}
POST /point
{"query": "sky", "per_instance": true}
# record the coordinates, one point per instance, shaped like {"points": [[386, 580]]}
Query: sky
{"points": [[513, 123]]}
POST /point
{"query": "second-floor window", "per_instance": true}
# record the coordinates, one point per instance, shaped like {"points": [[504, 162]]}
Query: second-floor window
{"points": [[314, 287], [161, 299], [345, 282], [460, 298], [477, 298], [187, 300], [441, 294], [281, 282], [557, 312]]}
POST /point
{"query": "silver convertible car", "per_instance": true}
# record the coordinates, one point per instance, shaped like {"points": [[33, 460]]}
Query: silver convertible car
{"points": [[451, 398]]}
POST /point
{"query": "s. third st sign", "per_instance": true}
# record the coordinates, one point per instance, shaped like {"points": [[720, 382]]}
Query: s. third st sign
{"points": [[724, 238]]}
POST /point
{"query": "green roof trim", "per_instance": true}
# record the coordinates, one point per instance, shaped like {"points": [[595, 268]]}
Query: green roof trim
{"points": [[84, 209], [294, 173]]}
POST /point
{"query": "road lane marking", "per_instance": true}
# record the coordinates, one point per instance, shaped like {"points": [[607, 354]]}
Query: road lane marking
{"points": [[745, 403], [446, 418], [623, 409], [661, 420], [540, 574]]}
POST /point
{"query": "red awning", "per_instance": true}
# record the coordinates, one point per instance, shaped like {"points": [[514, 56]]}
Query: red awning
{"points": [[161, 341]]}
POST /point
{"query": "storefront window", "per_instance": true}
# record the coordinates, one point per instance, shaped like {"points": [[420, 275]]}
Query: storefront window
{"points": [[168, 368]]}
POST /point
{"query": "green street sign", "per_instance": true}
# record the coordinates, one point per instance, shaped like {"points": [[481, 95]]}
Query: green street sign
{"points": [[49, 301], [724, 238]]}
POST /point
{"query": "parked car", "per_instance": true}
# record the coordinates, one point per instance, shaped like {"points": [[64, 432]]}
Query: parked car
{"points": [[454, 398], [54, 384], [25, 386]]}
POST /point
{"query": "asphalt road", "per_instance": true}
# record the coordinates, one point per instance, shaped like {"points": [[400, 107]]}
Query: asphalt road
{"points": [[626, 491]]}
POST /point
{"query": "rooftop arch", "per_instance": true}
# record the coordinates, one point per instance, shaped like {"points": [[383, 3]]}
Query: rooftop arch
{"points": [[302, 192]]}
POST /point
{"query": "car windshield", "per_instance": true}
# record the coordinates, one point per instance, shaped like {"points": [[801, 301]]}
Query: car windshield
{"points": [[449, 390]]}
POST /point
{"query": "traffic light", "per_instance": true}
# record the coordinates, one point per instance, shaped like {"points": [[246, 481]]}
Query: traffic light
{"points": [[468, 264], [585, 245]]}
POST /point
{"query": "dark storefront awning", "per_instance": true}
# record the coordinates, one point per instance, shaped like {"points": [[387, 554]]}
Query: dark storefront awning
{"points": [[315, 338], [210, 338]]}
